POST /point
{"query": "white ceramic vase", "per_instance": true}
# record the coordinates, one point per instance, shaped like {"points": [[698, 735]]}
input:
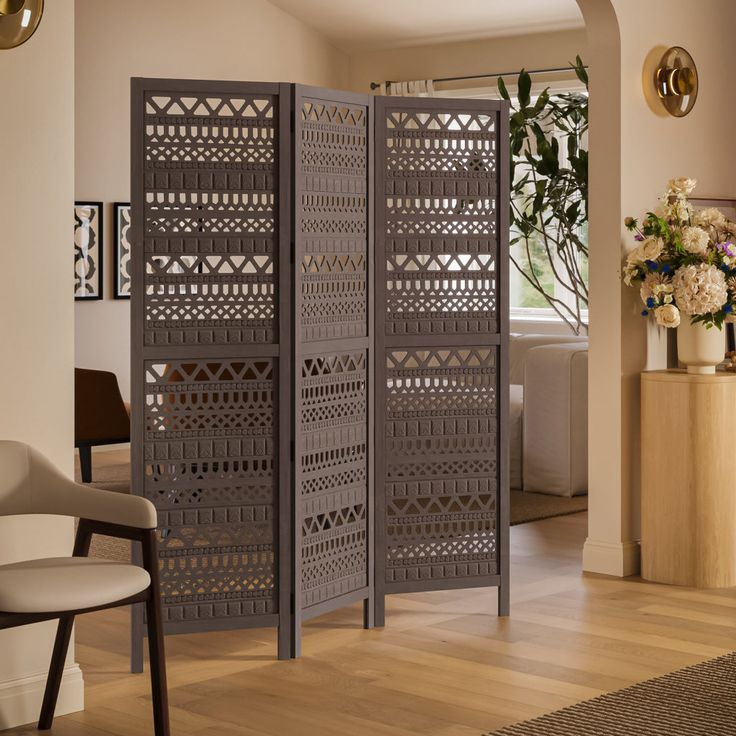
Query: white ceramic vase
{"points": [[699, 348]]}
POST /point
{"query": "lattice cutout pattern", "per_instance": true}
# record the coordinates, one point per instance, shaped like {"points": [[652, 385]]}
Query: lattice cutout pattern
{"points": [[209, 469], [441, 457], [333, 488], [332, 174], [210, 185], [441, 234]]}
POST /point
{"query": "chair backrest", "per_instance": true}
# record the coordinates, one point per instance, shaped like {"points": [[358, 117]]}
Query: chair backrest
{"points": [[15, 478], [100, 415]]}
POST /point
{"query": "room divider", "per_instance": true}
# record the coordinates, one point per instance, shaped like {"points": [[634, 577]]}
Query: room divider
{"points": [[258, 327]]}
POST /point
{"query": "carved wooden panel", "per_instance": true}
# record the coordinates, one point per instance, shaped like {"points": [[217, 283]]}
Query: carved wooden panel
{"points": [[442, 326], [211, 347], [333, 352]]}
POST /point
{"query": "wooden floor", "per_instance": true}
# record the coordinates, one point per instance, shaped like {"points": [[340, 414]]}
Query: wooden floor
{"points": [[445, 665]]}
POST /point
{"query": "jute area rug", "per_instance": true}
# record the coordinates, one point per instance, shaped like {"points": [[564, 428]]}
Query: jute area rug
{"points": [[696, 701], [525, 507]]}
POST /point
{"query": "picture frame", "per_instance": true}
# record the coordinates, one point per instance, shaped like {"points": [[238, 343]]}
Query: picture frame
{"points": [[89, 246], [122, 250]]}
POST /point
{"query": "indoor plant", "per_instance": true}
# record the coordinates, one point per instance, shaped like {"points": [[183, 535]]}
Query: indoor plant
{"points": [[549, 194], [684, 265]]}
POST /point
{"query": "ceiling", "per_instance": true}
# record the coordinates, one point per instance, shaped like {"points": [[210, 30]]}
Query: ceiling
{"points": [[381, 24]]}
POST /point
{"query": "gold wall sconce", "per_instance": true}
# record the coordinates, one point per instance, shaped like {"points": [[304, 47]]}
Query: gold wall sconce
{"points": [[19, 20], [676, 81]]}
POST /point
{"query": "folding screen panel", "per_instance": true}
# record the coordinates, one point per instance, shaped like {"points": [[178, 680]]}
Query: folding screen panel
{"points": [[253, 361], [333, 354], [211, 348], [441, 201]]}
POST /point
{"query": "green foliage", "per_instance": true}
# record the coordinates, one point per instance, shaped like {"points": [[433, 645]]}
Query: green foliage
{"points": [[549, 192]]}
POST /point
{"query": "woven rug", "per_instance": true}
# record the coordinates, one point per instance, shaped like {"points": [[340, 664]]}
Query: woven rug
{"points": [[696, 701], [526, 507]]}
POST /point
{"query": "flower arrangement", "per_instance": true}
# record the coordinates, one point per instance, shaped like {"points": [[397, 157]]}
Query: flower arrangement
{"points": [[684, 262]]}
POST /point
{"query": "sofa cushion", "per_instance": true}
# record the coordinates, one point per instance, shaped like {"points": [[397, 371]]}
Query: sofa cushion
{"points": [[520, 345], [555, 422]]}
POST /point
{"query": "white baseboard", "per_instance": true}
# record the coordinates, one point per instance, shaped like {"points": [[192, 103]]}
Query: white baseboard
{"points": [[620, 559], [20, 700]]}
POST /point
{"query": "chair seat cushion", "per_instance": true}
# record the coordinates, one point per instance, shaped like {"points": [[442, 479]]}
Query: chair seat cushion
{"points": [[67, 584]]}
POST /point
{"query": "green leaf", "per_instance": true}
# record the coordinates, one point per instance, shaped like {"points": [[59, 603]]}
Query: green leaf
{"points": [[502, 89], [541, 102], [580, 71], [525, 86]]}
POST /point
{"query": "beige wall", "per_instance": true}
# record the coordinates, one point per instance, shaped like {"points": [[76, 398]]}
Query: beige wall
{"points": [[243, 40], [36, 318], [533, 51], [634, 151]]}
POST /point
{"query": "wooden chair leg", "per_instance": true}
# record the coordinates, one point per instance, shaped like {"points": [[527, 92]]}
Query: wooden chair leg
{"points": [[85, 464], [157, 659], [53, 682], [61, 643]]}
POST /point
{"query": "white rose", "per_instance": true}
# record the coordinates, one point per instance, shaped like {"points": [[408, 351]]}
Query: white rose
{"points": [[667, 315], [695, 240], [681, 186], [648, 250]]}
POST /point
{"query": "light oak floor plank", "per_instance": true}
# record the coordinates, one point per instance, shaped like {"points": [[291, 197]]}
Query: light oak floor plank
{"points": [[445, 665]]}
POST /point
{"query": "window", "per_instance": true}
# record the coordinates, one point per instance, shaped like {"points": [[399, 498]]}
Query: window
{"points": [[525, 301]]}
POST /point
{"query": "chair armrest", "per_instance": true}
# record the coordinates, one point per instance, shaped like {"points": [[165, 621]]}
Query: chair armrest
{"points": [[54, 493], [555, 419]]}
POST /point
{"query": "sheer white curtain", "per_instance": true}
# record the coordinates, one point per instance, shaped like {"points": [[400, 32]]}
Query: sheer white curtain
{"points": [[415, 88]]}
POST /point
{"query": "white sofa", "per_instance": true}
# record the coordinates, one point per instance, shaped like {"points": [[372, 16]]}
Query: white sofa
{"points": [[549, 414]]}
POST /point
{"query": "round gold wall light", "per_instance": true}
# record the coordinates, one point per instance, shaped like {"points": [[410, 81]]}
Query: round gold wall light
{"points": [[676, 81], [19, 20]]}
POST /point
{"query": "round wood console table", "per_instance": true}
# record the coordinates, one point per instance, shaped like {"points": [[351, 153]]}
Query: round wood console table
{"points": [[688, 478]]}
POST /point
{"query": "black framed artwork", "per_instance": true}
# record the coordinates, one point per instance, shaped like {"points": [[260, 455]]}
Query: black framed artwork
{"points": [[88, 251], [121, 273]]}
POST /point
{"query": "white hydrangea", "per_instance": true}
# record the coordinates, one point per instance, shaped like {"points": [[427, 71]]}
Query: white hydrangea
{"points": [[709, 217], [695, 240], [667, 315], [699, 289]]}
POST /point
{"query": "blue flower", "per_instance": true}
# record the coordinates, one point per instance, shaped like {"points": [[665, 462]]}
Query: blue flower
{"points": [[728, 308], [651, 302], [652, 265], [644, 313], [666, 268], [725, 268]]}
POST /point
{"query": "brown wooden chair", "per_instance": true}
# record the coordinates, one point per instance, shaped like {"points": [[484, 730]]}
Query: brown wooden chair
{"points": [[101, 417], [63, 587]]}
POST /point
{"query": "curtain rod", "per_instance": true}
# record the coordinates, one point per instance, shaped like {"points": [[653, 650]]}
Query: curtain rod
{"points": [[376, 85]]}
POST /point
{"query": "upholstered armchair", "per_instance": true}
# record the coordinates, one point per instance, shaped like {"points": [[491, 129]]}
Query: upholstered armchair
{"points": [[101, 417], [64, 587]]}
